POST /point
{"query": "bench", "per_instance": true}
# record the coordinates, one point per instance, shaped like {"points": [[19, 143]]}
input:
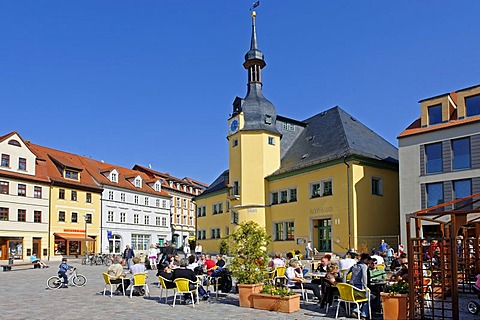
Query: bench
{"points": [[8, 267]]}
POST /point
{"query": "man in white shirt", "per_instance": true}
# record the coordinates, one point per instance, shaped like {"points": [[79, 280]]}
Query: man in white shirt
{"points": [[308, 249], [348, 262], [198, 250], [295, 279]]}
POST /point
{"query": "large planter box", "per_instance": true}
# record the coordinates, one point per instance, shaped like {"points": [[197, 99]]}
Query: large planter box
{"points": [[286, 304], [245, 292], [394, 306]]}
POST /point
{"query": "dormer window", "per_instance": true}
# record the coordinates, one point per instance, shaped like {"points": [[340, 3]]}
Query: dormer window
{"points": [[178, 186], [114, 177], [14, 143], [472, 104], [171, 184], [190, 189], [185, 188], [435, 114], [69, 174], [138, 183], [157, 186], [268, 119]]}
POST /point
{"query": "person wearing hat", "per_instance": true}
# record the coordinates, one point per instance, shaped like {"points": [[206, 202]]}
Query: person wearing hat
{"points": [[62, 272]]}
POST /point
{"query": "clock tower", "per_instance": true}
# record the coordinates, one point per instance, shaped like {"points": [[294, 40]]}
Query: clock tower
{"points": [[254, 143]]}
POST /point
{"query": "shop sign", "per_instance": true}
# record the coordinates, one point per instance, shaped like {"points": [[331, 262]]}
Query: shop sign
{"points": [[73, 230]]}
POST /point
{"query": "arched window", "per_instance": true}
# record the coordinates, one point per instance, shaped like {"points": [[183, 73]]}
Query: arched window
{"points": [[14, 143]]}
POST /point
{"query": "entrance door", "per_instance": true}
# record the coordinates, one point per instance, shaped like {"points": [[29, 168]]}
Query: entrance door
{"points": [[37, 247], [324, 235]]}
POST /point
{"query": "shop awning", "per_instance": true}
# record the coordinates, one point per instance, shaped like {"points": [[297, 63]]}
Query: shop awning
{"points": [[74, 237]]}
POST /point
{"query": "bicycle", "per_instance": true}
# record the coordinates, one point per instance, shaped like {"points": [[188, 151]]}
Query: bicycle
{"points": [[78, 280]]}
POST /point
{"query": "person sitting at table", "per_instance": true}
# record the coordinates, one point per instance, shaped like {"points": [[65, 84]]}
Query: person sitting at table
{"points": [[360, 280], [376, 273], [35, 260], [402, 274], [183, 272], [137, 267], [209, 265], [329, 289], [376, 255], [116, 274], [322, 266], [397, 263], [276, 261], [296, 280], [191, 263], [375, 284], [165, 272], [349, 261]]}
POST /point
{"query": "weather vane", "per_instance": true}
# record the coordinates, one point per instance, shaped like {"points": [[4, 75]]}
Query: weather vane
{"points": [[255, 4]]}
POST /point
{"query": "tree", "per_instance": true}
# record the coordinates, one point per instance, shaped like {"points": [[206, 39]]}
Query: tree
{"points": [[249, 244]]}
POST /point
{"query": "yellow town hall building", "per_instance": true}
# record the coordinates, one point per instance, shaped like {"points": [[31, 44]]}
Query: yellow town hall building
{"points": [[328, 179]]}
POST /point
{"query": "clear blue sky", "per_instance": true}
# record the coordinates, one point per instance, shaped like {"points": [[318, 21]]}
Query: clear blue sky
{"points": [[152, 82]]}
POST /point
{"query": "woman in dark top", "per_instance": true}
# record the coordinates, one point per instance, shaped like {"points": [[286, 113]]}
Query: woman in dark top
{"points": [[183, 272], [165, 272]]}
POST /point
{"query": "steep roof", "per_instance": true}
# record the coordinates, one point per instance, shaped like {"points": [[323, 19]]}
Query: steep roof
{"points": [[334, 134], [220, 183]]}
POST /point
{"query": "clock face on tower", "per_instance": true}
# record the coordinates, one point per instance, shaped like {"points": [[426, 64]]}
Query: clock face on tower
{"points": [[233, 127]]}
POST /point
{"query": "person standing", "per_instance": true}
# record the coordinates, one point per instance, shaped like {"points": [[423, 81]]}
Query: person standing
{"points": [[152, 257], [186, 250], [198, 250], [128, 254], [383, 246], [308, 250]]}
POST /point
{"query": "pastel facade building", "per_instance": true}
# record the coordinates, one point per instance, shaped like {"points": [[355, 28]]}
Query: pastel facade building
{"points": [[440, 155], [328, 178], [24, 200]]}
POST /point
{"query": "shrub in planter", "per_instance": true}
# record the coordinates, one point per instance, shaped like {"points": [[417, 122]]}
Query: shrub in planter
{"points": [[394, 303]]}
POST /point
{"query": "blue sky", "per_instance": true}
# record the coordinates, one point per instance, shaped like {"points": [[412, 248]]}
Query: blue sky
{"points": [[152, 82]]}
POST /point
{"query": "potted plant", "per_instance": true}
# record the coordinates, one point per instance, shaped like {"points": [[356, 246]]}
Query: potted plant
{"points": [[248, 245], [394, 302], [276, 299]]}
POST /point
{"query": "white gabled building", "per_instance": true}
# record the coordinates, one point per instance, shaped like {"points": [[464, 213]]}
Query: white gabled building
{"points": [[24, 200], [135, 208]]}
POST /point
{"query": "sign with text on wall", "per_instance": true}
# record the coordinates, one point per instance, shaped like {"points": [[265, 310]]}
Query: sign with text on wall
{"points": [[109, 234], [321, 210]]}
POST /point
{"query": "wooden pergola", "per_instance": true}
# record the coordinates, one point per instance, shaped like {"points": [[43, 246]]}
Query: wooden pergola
{"points": [[435, 282]]}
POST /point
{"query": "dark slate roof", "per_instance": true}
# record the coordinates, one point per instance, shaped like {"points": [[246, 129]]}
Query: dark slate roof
{"points": [[335, 134], [220, 183]]}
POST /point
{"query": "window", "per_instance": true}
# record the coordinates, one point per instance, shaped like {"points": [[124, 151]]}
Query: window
{"points": [[138, 183], [135, 218], [110, 195], [179, 203], [283, 196], [88, 218], [37, 216], [157, 186], [434, 194], [157, 221], [236, 188], [113, 176], [122, 197], [321, 189], [435, 114], [235, 143], [61, 193], [74, 217], [22, 164], [37, 192], [88, 197], [433, 158], [227, 205], [164, 221], [268, 119], [185, 203], [290, 227], [22, 215], [278, 231], [147, 220], [227, 231], [288, 126], [234, 217], [215, 233], [461, 154], [110, 216], [271, 141], [146, 201], [157, 203], [73, 196], [14, 143], [201, 211], [293, 195], [472, 105], [22, 190], [69, 174], [135, 199], [3, 214], [4, 187], [5, 160], [214, 209], [61, 216], [140, 241], [284, 230], [164, 203], [202, 234], [220, 207], [461, 189], [377, 186], [274, 197], [122, 216]]}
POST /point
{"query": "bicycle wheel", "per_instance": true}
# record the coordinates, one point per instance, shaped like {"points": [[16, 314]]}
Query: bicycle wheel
{"points": [[54, 282], [107, 261], [80, 280], [473, 307], [84, 261], [99, 261]]}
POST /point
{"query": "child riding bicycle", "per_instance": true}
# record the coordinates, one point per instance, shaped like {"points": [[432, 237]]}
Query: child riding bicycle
{"points": [[62, 272]]}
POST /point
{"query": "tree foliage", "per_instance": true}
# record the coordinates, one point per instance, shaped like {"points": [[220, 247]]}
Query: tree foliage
{"points": [[248, 245]]}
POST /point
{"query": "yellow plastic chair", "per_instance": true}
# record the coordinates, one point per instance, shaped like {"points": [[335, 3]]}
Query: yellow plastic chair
{"points": [[381, 266], [140, 280], [107, 279], [162, 282], [347, 295], [182, 286], [271, 276], [280, 275]]}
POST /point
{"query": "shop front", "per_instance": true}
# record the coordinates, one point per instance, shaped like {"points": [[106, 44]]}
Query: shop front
{"points": [[72, 244], [11, 247]]}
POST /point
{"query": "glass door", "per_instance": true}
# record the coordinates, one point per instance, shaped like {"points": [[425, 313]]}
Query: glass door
{"points": [[325, 235]]}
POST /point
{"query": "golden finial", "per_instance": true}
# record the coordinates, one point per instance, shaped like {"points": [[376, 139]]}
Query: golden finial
{"points": [[254, 14]]}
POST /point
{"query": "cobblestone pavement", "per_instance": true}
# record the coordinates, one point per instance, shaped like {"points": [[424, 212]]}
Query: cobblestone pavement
{"points": [[24, 296]]}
